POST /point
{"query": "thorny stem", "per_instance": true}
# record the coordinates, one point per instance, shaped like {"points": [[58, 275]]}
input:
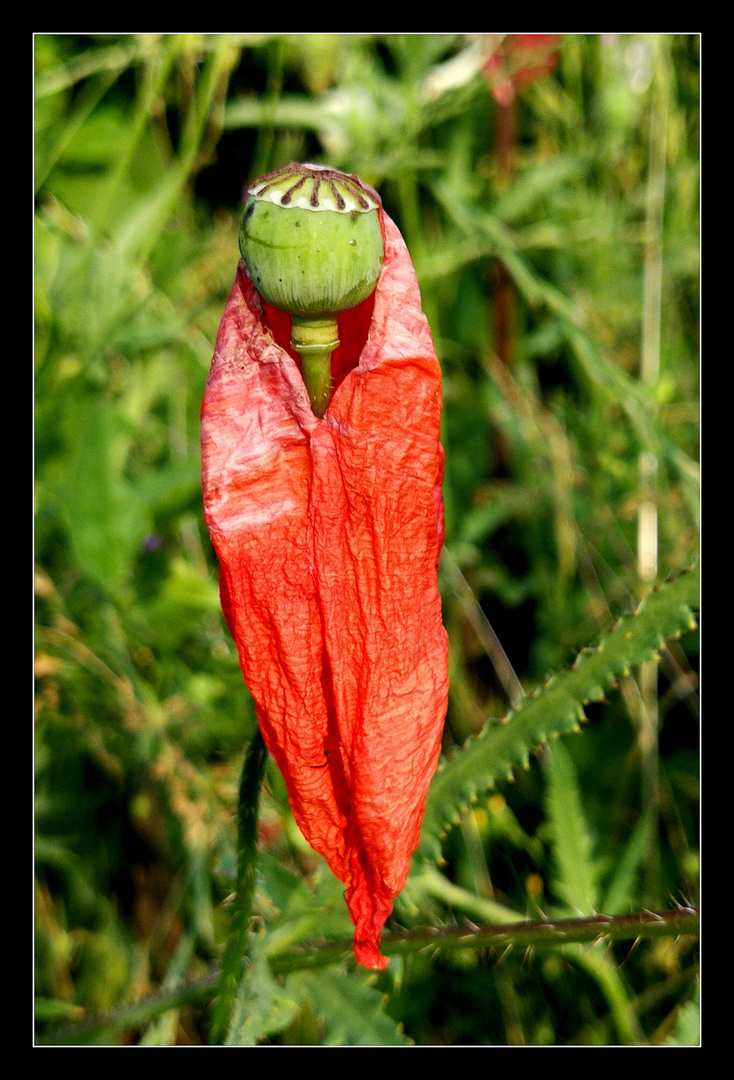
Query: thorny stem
{"points": [[247, 811], [541, 934], [519, 936]]}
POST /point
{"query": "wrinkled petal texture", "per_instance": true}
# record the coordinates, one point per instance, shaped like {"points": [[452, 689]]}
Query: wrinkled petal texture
{"points": [[328, 535]]}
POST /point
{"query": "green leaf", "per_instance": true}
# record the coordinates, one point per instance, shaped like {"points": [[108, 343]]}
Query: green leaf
{"points": [[555, 708], [262, 1007], [535, 184], [52, 1010], [576, 881], [105, 518], [162, 1031], [307, 910], [349, 1008], [619, 895], [688, 1027]]}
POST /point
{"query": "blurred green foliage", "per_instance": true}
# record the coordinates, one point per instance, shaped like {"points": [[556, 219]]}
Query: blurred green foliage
{"points": [[555, 237]]}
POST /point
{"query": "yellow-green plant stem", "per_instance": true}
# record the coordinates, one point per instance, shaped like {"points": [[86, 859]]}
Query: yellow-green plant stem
{"points": [[314, 339]]}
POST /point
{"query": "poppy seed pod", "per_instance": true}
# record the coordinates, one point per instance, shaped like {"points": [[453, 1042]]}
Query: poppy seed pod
{"points": [[328, 532], [310, 239]]}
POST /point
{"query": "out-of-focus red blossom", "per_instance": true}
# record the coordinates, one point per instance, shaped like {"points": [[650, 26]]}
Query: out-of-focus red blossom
{"points": [[518, 60], [328, 535]]}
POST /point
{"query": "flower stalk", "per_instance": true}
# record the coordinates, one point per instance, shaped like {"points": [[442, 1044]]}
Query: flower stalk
{"points": [[236, 947], [315, 339]]}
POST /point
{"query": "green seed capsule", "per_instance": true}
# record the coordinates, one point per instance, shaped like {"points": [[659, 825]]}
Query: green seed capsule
{"points": [[311, 241], [310, 238]]}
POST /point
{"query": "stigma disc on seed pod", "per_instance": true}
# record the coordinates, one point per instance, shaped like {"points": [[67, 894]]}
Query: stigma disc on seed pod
{"points": [[311, 241]]}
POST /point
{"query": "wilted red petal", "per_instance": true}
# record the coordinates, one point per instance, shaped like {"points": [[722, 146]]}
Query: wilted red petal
{"points": [[328, 535]]}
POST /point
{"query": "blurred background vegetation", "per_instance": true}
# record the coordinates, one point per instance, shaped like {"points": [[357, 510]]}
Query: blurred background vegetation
{"points": [[548, 191]]}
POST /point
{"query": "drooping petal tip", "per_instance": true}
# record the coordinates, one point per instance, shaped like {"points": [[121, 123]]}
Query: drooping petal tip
{"points": [[369, 956]]}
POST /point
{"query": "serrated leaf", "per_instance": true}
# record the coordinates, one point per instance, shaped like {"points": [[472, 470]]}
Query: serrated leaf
{"points": [[555, 708], [316, 910], [576, 876], [349, 1008], [263, 1007]]}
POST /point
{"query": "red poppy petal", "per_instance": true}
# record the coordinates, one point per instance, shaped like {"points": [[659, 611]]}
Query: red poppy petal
{"points": [[328, 536]]}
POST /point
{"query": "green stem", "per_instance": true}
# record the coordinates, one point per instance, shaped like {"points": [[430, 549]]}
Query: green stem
{"points": [[315, 339], [647, 517], [541, 934], [236, 947], [519, 935]]}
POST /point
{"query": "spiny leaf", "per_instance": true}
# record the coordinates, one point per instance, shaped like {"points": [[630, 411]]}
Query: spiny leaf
{"points": [[350, 1009], [556, 707]]}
